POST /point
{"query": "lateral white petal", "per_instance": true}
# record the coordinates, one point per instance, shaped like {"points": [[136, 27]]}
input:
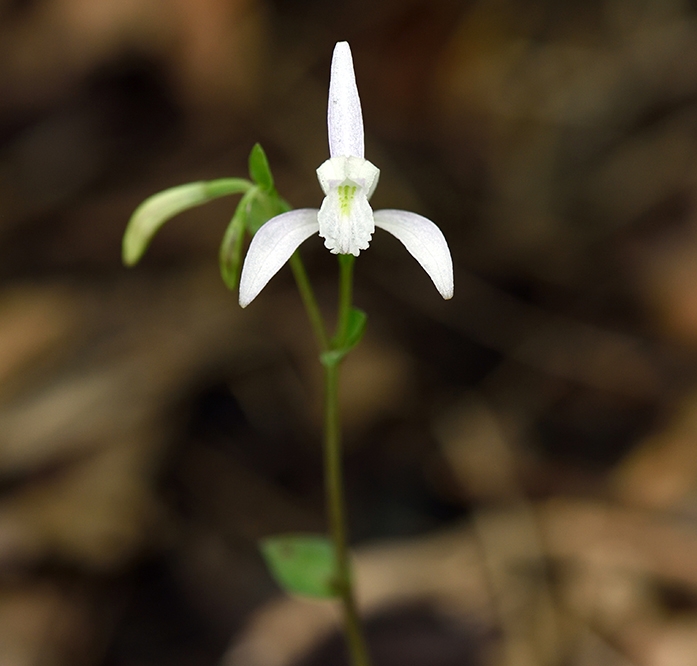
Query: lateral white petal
{"points": [[272, 246], [344, 116], [425, 242]]}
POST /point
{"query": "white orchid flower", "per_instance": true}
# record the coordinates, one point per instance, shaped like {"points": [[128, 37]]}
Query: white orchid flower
{"points": [[345, 220]]}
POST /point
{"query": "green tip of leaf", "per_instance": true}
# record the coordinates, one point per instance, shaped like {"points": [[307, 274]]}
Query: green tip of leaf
{"points": [[153, 213], [259, 168], [157, 209], [304, 564]]}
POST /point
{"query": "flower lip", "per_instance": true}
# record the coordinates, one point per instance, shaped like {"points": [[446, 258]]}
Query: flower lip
{"points": [[346, 220]]}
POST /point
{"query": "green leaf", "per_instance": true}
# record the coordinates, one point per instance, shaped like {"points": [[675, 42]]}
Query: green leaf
{"points": [[262, 207], [230, 255], [355, 328], [266, 203], [255, 208], [302, 564], [259, 168], [157, 209], [222, 187]]}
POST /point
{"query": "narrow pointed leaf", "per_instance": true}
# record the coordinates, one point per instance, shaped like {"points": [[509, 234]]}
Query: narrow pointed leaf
{"points": [[302, 564], [230, 256], [426, 243], [259, 168], [157, 209]]}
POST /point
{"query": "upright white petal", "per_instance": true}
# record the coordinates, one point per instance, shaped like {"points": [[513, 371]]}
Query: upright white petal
{"points": [[344, 116], [425, 242], [271, 247]]}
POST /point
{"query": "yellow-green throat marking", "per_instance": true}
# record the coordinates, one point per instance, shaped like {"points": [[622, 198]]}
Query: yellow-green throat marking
{"points": [[346, 194]]}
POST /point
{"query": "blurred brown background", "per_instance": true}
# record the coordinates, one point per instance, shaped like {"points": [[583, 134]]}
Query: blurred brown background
{"points": [[521, 460]]}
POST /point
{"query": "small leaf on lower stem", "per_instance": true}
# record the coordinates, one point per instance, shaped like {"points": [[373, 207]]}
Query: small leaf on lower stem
{"points": [[302, 564], [355, 328]]}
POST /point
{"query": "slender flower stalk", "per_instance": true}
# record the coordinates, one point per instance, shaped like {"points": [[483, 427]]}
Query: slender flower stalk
{"points": [[333, 475], [346, 222], [346, 262]]}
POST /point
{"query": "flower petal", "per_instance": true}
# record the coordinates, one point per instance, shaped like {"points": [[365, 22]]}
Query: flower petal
{"points": [[336, 170], [425, 242], [271, 247], [346, 220], [344, 116]]}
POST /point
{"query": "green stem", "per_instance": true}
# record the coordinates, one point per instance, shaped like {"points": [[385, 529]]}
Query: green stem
{"points": [[309, 301], [346, 262], [333, 478], [333, 474]]}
